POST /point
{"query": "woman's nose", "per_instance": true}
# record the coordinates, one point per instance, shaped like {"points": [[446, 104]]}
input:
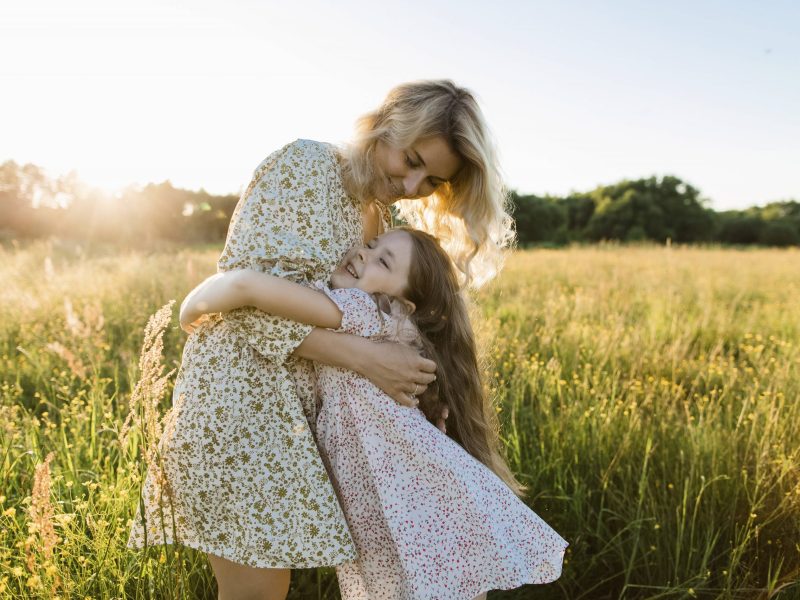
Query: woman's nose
{"points": [[412, 182]]}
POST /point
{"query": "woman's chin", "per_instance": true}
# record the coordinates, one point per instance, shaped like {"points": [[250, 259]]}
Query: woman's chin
{"points": [[384, 196]]}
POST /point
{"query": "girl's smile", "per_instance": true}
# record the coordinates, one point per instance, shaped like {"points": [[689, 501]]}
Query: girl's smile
{"points": [[380, 267]]}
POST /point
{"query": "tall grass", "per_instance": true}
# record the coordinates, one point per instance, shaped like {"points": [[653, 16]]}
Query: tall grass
{"points": [[648, 398]]}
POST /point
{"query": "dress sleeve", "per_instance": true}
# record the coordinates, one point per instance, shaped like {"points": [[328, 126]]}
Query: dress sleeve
{"points": [[360, 313], [282, 226]]}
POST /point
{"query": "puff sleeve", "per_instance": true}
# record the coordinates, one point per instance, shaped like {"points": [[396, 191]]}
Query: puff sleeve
{"points": [[282, 225], [360, 313]]}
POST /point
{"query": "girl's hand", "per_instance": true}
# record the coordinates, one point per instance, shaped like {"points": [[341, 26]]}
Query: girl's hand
{"points": [[189, 325], [190, 316], [190, 320]]}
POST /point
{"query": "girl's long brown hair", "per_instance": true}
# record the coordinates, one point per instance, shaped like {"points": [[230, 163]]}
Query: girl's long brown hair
{"points": [[441, 316]]}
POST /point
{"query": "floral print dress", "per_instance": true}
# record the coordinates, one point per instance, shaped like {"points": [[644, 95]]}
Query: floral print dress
{"points": [[428, 519], [242, 475]]}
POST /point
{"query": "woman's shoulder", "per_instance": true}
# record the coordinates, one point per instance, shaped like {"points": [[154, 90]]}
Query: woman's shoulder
{"points": [[311, 150], [301, 153]]}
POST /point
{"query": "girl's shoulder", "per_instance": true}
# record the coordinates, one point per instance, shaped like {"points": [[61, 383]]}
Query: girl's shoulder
{"points": [[360, 313], [376, 315]]}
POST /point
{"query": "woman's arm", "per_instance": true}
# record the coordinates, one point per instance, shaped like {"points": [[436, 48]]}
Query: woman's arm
{"points": [[243, 287], [396, 369]]}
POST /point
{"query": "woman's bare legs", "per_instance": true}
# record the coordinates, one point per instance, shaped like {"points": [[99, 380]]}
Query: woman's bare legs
{"points": [[240, 582], [481, 597]]}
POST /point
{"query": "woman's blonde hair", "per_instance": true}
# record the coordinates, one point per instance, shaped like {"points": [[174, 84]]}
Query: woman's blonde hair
{"points": [[441, 316], [468, 214]]}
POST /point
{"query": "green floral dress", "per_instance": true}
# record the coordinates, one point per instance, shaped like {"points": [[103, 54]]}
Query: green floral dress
{"points": [[242, 476]]}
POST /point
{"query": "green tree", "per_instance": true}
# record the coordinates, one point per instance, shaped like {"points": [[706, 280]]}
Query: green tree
{"points": [[653, 208], [538, 219]]}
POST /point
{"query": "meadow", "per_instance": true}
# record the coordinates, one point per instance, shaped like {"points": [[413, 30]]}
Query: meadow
{"points": [[648, 399]]}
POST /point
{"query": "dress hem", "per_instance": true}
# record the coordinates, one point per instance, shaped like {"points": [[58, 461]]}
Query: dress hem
{"points": [[257, 564]]}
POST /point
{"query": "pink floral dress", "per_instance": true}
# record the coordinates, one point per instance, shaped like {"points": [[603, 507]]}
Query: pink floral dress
{"points": [[428, 520]]}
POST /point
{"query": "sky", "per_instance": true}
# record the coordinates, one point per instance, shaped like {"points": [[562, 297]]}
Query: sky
{"points": [[578, 94]]}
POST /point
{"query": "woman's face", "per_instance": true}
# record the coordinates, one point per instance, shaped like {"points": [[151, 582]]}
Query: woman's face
{"points": [[413, 172], [382, 266]]}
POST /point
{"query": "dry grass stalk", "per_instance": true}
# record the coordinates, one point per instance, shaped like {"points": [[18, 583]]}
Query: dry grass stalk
{"points": [[150, 389], [41, 515], [75, 326], [74, 362], [49, 271], [93, 319]]}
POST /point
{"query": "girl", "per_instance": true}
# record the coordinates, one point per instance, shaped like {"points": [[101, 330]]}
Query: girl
{"points": [[243, 480], [428, 519]]}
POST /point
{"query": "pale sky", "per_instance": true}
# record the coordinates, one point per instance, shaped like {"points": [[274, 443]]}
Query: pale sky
{"points": [[577, 93]]}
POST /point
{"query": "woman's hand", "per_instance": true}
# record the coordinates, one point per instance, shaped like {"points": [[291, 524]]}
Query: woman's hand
{"points": [[398, 370]]}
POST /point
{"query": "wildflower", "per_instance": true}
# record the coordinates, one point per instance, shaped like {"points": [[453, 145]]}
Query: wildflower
{"points": [[64, 519], [34, 582], [10, 512]]}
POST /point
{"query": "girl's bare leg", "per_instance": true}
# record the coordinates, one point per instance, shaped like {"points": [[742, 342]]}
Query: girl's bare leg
{"points": [[240, 582], [481, 597]]}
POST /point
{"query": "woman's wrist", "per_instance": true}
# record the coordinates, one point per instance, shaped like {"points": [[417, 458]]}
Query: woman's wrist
{"points": [[335, 349], [358, 354]]}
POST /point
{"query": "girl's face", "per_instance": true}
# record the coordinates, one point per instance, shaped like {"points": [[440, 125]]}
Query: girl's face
{"points": [[413, 172], [382, 266]]}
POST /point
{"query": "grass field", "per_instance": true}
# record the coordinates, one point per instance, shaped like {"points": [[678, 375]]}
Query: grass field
{"points": [[648, 398]]}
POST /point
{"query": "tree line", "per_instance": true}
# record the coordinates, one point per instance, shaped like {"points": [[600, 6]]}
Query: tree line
{"points": [[657, 209], [654, 209]]}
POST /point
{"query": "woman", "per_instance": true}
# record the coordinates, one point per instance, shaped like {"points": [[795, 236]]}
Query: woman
{"points": [[244, 480]]}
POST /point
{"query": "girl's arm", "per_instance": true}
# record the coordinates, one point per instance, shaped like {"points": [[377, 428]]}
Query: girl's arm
{"points": [[244, 287], [395, 368]]}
